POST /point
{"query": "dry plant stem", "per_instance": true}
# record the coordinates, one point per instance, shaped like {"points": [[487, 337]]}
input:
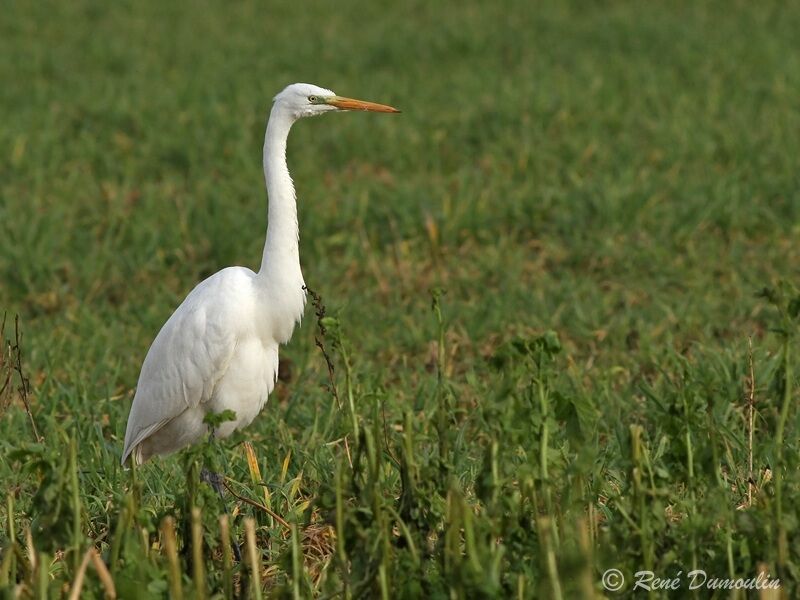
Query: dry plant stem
{"points": [[296, 564], [329, 364], [252, 556], [750, 418], [347, 452], [254, 504], [198, 565], [587, 573], [319, 311], [103, 573], [77, 583], [255, 472], [227, 562], [8, 371], [12, 537], [171, 548], [32, 556], [24, 387]]}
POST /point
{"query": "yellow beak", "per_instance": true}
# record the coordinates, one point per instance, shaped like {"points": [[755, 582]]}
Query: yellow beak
{"points": [[353, 104]]}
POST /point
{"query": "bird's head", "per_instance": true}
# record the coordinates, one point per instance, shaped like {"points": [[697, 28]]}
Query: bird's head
{"points": [[307, 100]]}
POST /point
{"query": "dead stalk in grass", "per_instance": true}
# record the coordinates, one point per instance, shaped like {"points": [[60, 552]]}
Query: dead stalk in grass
{"points": [[102, 573], [24, 387], [10, 363], [319, 311], [255, 504], [77, 584], [252, 556], [751, 398], [171, 549]]}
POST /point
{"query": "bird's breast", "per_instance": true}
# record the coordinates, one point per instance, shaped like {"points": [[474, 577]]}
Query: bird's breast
{"points": [[247, 383]]}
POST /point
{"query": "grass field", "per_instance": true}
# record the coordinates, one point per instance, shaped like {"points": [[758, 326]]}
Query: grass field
{"points": [[542, 282]]}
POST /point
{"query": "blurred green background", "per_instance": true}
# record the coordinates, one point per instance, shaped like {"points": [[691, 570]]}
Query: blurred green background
{"points": [[578, 167], [625, 174]]}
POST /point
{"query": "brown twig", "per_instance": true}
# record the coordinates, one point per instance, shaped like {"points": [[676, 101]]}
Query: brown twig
{"points": [[102, 572], [8, 370], [24, 387], [104, 575], [255, 504], [319, 310], [77, 582], [170, 546], [253, 557]]}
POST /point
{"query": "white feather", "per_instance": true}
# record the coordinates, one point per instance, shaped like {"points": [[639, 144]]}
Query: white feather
{"points": [[219, 349]]}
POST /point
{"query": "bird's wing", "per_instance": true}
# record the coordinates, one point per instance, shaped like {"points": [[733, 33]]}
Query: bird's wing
{"points": [[185, 362]]}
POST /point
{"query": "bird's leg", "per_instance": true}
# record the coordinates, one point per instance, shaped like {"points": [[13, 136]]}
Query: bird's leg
{"points": [[217, 481], [212, 478]]}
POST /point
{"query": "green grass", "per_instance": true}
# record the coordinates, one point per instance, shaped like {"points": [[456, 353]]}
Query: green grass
{"points": [[600, 190]]}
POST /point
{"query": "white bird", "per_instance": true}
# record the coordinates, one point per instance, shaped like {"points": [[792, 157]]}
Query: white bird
{"points": [[219, 349]]}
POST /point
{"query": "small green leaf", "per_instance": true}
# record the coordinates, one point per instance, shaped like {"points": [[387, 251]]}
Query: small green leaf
{"points": [[214, 420]]}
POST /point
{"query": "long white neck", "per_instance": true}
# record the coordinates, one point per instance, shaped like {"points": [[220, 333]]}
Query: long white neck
{"points": [[280, 264]]}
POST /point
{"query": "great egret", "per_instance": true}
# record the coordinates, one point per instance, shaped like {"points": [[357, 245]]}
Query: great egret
{"points": [[219, 349]]}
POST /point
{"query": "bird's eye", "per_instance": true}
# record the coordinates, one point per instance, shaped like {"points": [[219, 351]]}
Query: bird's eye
{"points": [[313, 99]]}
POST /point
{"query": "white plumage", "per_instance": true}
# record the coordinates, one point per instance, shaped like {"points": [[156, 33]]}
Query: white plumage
{"points": [[219, 349]]}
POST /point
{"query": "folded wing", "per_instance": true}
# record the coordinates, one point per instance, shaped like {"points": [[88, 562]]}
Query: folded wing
{"points": [[185, 362]]}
